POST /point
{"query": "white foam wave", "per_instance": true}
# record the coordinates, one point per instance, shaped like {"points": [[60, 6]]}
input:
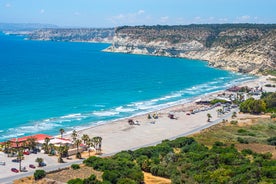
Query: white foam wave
{"points": [[105, 113], [122, 109]]}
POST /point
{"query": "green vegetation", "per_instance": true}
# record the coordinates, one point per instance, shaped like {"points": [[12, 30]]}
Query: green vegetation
{"points": [[270, 100], [214, 101], [39, 174], [270, 72], [253, 106], [75, 166], [185, 160], [120, 166], [272, 141]]}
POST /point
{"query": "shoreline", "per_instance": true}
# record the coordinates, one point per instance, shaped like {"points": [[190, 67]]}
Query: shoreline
{"points": [[118, 135]]}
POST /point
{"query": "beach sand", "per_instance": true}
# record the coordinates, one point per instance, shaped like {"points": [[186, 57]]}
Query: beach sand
{"points": [[119, 135]]}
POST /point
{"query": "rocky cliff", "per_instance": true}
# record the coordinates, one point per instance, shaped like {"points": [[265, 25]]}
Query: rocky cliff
{"points": [[248, 48], [70, 34]]}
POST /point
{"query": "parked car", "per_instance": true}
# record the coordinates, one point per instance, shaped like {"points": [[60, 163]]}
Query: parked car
{"points": [[32, 166], [2, 163], [15, 160], [43, 164], [26, 152], [14, 170]]}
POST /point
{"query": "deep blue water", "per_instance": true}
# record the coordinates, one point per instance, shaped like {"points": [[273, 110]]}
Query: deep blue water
{"points": [[45, 86]]}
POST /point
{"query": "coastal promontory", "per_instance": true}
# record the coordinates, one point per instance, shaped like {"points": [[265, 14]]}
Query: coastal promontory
{"points": [[247, 48]]}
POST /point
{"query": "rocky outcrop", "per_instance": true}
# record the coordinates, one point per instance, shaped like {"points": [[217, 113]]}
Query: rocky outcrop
{"points": [[75, 35], [247, 48]]}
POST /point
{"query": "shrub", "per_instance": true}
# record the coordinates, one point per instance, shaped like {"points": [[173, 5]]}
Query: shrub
{"points": [[247, 152], [242, 141], [273, 115], [271, 141], [234, 122], [75, 166], [126, 181], [75, 181], [39, 174]]}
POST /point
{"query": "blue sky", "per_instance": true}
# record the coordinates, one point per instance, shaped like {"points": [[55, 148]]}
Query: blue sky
{"points": [[109, 13]]}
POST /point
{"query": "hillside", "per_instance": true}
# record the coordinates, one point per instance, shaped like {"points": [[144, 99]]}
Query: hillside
{"points": [[248, 48], [71, 34]]}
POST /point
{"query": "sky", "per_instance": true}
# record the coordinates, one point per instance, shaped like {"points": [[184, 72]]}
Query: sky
{"points": [[111, 13]]}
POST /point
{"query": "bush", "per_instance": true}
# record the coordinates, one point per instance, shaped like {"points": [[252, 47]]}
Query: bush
{"points": [[75, 166], [247, 152], [234, 122], [78, 155], [75, 181], [126, 181], [242, 141], [39, 174], [273, 115], [271, 141]]}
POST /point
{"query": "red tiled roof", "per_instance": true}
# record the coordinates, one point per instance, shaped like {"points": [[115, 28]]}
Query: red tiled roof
{"points": [[38, 137]]}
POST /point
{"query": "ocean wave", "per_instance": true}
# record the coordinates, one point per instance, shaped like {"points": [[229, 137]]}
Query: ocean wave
{"points": [[105, 113]]}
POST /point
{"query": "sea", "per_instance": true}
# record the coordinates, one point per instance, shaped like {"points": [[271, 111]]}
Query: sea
{"points": [[46, 85]]}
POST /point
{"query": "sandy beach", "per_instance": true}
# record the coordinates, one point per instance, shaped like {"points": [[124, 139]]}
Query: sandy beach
{"points": [[120, 135]]}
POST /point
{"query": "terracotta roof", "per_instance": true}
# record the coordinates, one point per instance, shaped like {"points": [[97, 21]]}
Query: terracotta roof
{"points": [[38, 137]]}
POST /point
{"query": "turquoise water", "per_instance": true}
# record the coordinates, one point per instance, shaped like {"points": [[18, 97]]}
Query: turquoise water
{"points": [[45, 86]]}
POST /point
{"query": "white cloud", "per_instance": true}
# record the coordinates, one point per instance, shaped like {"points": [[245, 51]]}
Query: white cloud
{"points": [[7, 5], [42, 11], [243, 18], [129, 18]]}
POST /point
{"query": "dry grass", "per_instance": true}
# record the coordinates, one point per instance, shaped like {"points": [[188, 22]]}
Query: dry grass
{"points": [[258, 148], [150, 179]]}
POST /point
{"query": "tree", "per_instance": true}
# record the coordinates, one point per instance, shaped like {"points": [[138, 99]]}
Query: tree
{"points": [[45, 145], [89, 143], [77, 143], [61, 131], [253, 106], [20, 157], [97, 143], [39, 174], [219, 111], [61, 150], [74, 135], [85, 138], [209, 116], [39, 161], [31, 143]]}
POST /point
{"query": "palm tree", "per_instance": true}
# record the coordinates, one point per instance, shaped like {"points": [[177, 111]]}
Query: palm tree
{"points": [[77, 143], [74, 135], [100, 143], [219, 111], [52, 149], [97, 143], [209, 117], [20, 157], [7, 147], [61, 131], [61, 150], [31, 143], [39, 161], [89, 143], [45, 145], [85, 138]]}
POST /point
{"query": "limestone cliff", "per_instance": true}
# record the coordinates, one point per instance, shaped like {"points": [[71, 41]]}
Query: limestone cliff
{"points": [[248, 48], [70, 34]]}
